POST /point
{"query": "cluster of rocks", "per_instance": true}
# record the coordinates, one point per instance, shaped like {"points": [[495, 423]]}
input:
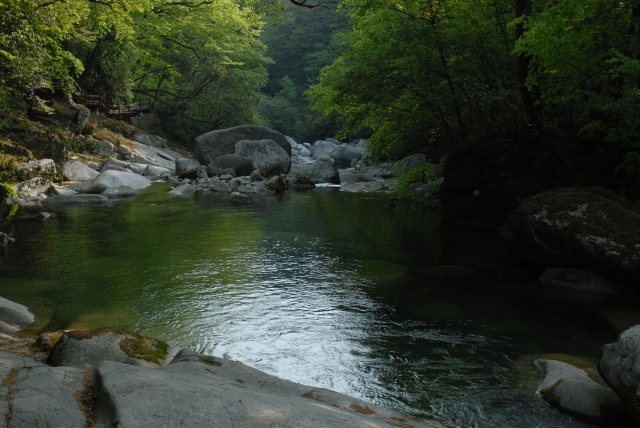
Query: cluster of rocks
{"points": [[240, 161], [107, 377]]}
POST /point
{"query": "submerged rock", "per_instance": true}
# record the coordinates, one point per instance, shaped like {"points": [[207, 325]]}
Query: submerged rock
{"points": [[62, 201], [571, 391]]}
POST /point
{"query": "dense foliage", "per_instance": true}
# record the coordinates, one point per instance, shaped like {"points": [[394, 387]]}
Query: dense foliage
{"points": [[199, 61], [426, 75]]}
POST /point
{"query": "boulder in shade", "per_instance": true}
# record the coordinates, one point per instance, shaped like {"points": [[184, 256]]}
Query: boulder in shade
{"points": [[267, 156], [578, 229], [240, 165], [221, 142], [619, 366]]}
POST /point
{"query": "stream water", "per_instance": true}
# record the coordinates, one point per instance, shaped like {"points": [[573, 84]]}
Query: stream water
{"points": [[357, 293]]}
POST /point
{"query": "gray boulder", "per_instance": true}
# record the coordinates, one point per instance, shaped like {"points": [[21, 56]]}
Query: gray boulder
{"points": [[77, 171], [109, 179], [120, 192], [81, 117], [578, 229], [619, 366], [569, 389], [322, 170], [64, 201], [220, 186], [32, 187], [374, 173], [406, 164], [38, 167], [41, 396], [102, 148], [202, 391], [267, 156], [323, 148], [153, 156], [87, 349], [155, 172], [111, 162], [345, 154], [140, 168], [241, 166], [54, 189], [221, 142], [348, 176], [187, 168], [14, 316]]}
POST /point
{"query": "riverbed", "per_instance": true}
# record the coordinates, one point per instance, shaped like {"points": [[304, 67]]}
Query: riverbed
{"points": [[358, 293]]}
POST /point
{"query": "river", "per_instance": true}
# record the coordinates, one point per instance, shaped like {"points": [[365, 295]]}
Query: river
{"points": [[358, 293]]}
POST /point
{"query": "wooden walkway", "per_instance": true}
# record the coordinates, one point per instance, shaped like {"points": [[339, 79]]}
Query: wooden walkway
{"points": [[98, 102]]}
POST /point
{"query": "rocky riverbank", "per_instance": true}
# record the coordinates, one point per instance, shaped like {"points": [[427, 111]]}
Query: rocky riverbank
{"points": [[106, 377]]}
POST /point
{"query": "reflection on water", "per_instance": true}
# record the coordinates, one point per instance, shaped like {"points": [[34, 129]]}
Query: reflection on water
{"points": [[356, 293]]}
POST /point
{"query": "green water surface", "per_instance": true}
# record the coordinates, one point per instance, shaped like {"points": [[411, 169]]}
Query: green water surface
{"points": [[358, 293]]}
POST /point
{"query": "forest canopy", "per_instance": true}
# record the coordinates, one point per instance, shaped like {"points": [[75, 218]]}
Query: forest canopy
{"points": [[413, 75]]}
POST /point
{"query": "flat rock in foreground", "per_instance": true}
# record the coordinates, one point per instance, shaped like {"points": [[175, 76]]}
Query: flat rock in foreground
{"points": [[201, 391]]}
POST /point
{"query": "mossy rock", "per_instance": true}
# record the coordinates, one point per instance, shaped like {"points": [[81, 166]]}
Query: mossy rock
{"points": [[88, 348]]}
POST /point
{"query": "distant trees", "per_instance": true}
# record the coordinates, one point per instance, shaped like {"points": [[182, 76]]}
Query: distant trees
{"points": [[299, 48]]}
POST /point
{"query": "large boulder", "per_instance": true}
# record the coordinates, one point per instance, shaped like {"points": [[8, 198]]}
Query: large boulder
{"points": [[320, 148], [240, 165], [200, 391], [32, 187], [267, 156], [569, 389], [37, 167], [87, 349], [187, 168], [221, 142], [346, 154], [110, 179], [619, 366], [77, 171], [153, 156], [406, 164], [322, 170], [578, 229]]}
